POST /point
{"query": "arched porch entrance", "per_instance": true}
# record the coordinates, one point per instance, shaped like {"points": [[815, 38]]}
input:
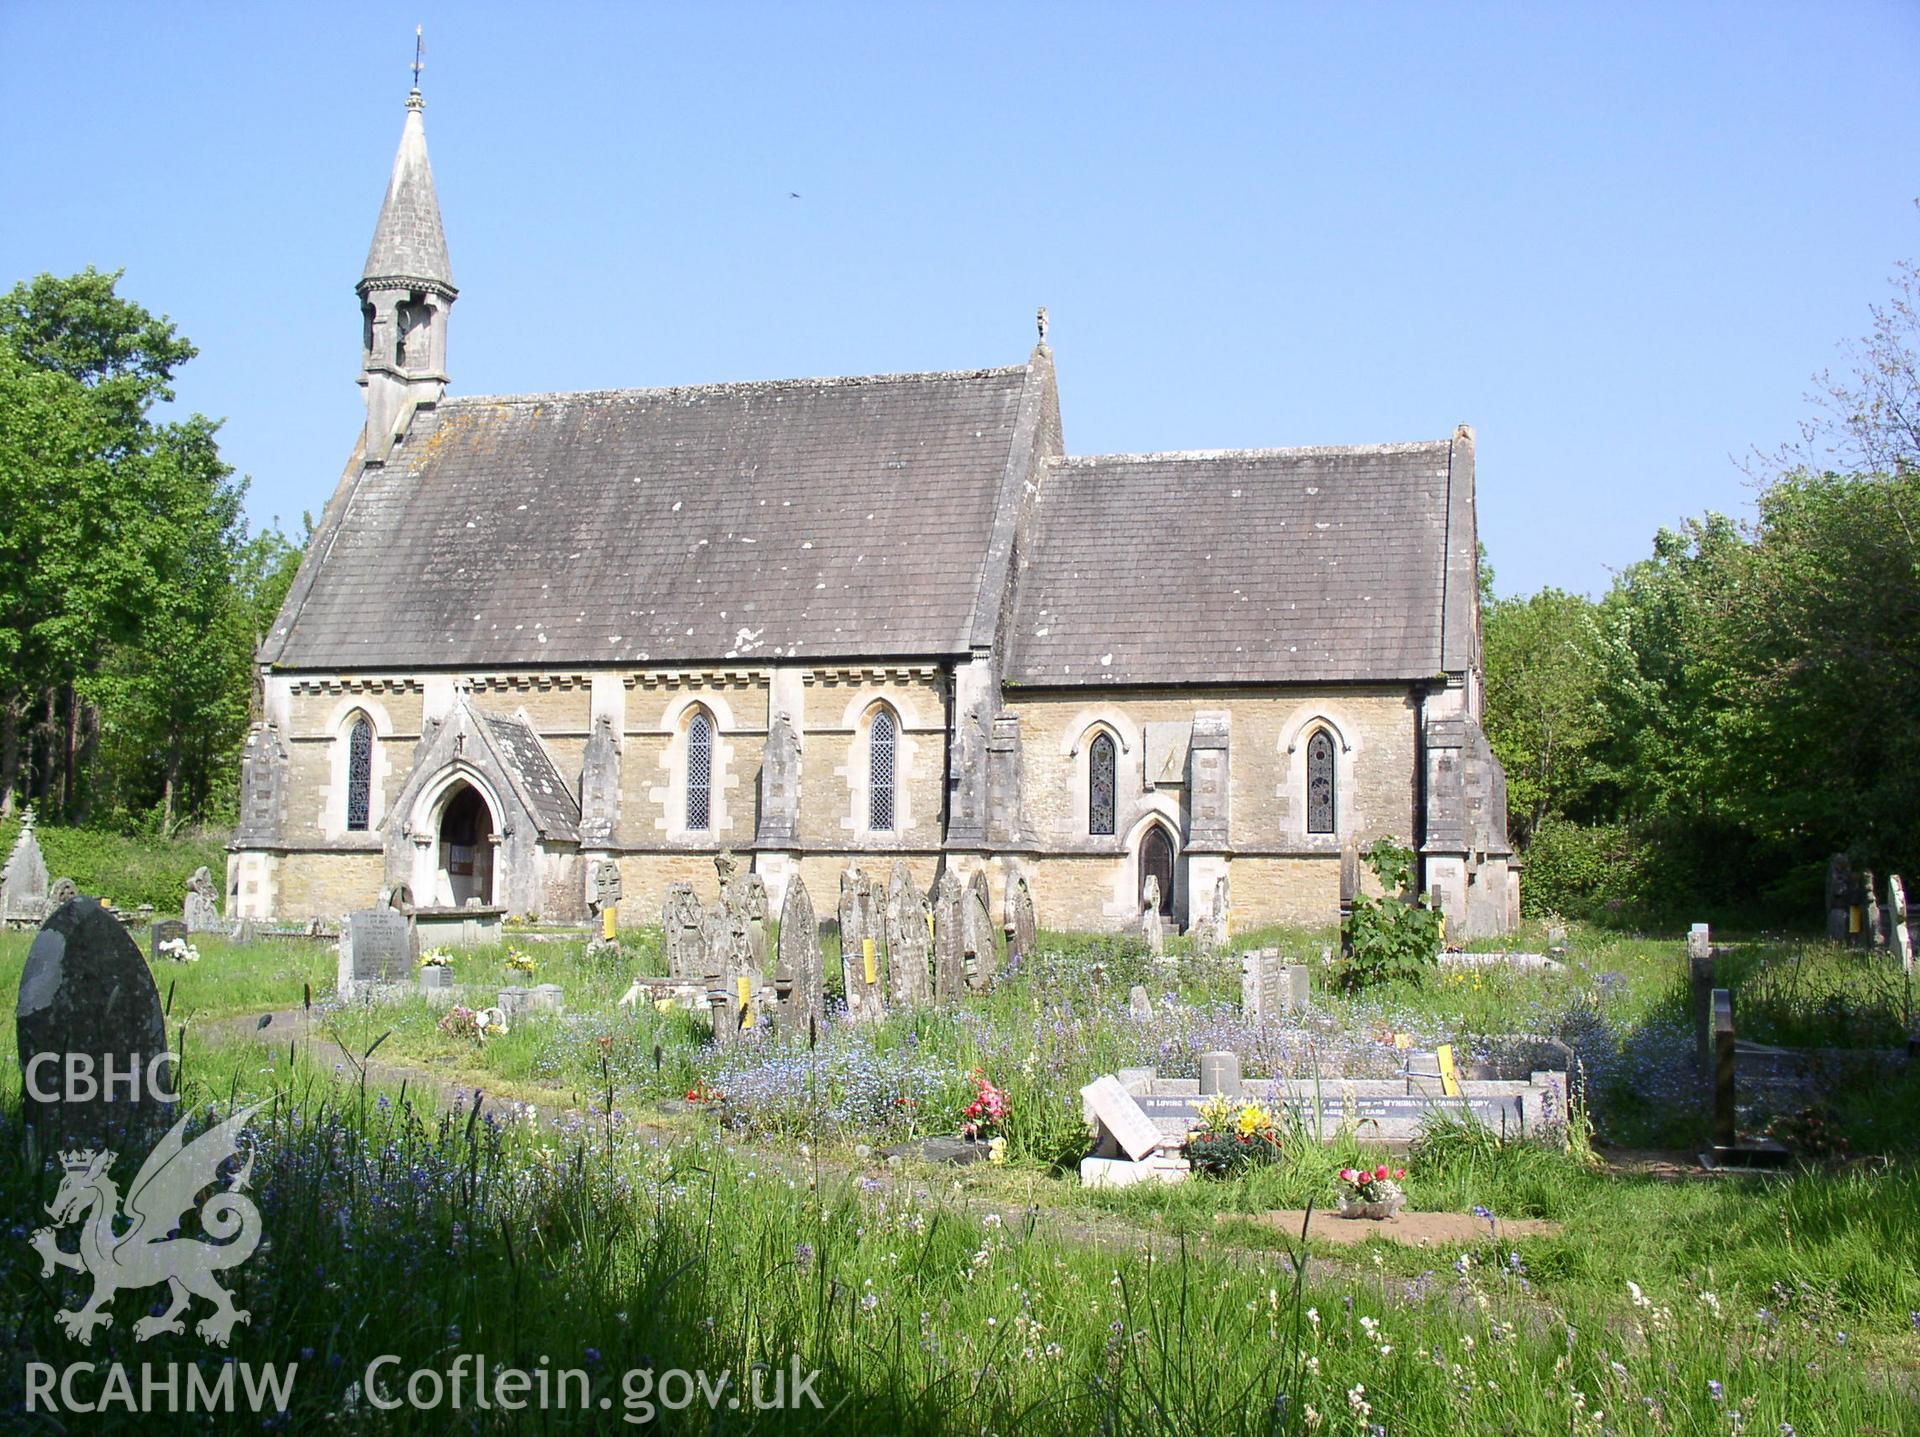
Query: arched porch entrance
{"points": [[466, 844]]}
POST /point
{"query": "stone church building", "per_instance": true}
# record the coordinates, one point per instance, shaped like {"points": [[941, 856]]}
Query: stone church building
{"points": [[833, 621]]}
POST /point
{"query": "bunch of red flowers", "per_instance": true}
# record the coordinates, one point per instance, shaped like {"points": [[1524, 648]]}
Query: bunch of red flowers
{"points": [[1369, 1184], [701, 1093], [987, 1113]]}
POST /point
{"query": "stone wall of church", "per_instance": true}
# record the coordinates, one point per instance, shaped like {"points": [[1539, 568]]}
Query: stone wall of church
{"points": [[327, 883]]}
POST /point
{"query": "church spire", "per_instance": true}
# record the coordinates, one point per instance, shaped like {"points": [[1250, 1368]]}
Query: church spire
{"points": [[406, 291]]}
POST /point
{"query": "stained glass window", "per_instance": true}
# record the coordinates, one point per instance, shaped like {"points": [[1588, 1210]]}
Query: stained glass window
{"points": [[699, 770], [359, 774], [1320, 783], [881, 743], [1100, 785]]}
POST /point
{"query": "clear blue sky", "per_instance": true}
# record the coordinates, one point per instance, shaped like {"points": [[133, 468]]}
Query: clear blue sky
{"points": [[1617, 240]]}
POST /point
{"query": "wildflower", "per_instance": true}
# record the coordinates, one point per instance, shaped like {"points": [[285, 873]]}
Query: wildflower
{"points": [[1715, 1390], [803, 1253], [1357, 1400], [1710, 1301], [1639, 1297]]}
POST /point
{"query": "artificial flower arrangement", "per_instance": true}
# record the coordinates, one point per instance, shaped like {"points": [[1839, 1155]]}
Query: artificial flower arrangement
{"points": [[479, 1024], [701, 1093], [519, 962], [986, 1115], [1371, 1192], [436, 958], [179, 950], [1228, 1136]]}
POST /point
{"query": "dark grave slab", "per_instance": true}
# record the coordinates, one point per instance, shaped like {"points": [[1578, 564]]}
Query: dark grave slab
{"points": [[91, 1036], [956, 1151]]}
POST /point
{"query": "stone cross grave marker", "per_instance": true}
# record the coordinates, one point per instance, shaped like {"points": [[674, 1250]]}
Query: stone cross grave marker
{"points": [[201, 907], [376, 946], [23, 882], [684, 923], [751, 892], [167, 930], [1122, 1121], [91, 1035], [802, 970], [1152, 929]]}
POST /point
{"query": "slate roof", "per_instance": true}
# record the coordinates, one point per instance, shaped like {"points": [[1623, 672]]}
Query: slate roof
{"points": [[1273, 565], [408, 240], [826, 518], [556, 811]]}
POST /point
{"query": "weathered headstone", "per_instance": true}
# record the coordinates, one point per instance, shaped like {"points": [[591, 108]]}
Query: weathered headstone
{"points": [[604, 886], [909, 941], [862, 964], [1023, 925], [202, 905], [1120, 1122], [436, 981], [168, 930], [685, 925], [949, 941], [1139, 1005], [1871, 932], [91, 1035], [63, 890], [802, 970], [1700, 983], [376, 947], [1152, 929], [1839, 897], [1215, 926], [979, 940], [1270, 986], [1898, 930], [23, 882], [1220, 1073], [750, 891]]}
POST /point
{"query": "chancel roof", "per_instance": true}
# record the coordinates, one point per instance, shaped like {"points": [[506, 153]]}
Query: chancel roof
{"points": [[1243, 566], [810, 518]]}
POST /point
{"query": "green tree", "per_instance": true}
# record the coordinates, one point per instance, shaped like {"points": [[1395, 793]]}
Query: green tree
{"points": [[1544, 715]]}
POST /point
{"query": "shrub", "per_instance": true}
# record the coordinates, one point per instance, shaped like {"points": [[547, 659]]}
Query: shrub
{"points": [[1388, 937], [130, 871], [1596, 872]]}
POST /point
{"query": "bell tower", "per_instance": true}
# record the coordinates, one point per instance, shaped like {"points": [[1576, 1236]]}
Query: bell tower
{"points": [[406, 293]]}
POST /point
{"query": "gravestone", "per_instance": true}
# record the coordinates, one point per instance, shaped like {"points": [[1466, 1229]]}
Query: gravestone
{"points": [[1728, 1150], [862, 964], [684, 924], [802, 970], [168, 930], [1839, 897], [88, 1008], [23, 882], [376, 947], [909, 941], [1897, 926], [1871, 933], [1139, 1005], [1270, 986], [399, 897], [949, 943], [1152, 929], [1220, 1073], [978, 940], [750, 891], [63, 890], [1700, 983], [604, 887], [437, 983], [1215, 928], [202, 904], [1122, 1125], [1023, 925]]}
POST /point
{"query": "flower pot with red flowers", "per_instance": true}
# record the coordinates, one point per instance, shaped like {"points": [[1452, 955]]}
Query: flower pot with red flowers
{"points": [[1371, 1192]]}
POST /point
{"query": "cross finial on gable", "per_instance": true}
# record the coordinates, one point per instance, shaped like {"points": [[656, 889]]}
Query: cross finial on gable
{"points": [[1040, 322], [419, 52]]}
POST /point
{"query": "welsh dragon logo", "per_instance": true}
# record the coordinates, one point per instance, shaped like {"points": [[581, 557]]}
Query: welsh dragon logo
{"points": [[150, 1251]]}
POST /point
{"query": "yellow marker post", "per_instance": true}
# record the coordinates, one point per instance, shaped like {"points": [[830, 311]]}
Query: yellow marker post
{"points": [[929, 925], [743, 986], [1403, 1041], [663, 1005], [1856, 916], [608, 917], [866, 955], [1449, 1075]]}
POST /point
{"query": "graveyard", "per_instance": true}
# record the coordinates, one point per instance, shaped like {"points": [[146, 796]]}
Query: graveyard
{"points": [[707, 1139]]}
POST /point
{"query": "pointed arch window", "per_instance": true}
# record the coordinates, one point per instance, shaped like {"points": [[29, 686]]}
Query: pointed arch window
{"points": [[1320, 782], [700, 771], [882, 745], [1100, 766], [359, 774]]}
